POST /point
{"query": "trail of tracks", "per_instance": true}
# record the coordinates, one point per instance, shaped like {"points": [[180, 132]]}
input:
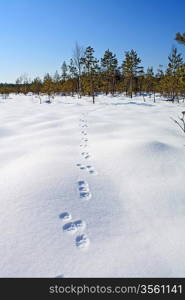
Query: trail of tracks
{"points": [[77, 227]]}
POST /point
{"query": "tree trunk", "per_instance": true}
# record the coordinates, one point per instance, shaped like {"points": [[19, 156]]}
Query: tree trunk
{"points": [[92, 89], [131, 87]]}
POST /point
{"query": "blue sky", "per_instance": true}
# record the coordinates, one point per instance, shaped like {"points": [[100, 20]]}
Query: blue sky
{"points": [[36, 36]]}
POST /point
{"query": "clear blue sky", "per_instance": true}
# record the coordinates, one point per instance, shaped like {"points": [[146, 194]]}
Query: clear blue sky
{"points": [[38, 35]]}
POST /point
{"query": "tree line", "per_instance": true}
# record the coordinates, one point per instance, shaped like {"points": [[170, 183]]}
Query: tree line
{"points": [[86, 75]]}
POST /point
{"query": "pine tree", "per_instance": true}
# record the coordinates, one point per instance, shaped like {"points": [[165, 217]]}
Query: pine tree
{"points": [[91, 67], [56, 77], [73, 76], [139, 80], [48, 86], [56, 83], [36, 87], [130, 68], [149, 80], [181, 76], [64, 71], [72, 69], [175, 61], [180, 38], [171, 80], [109, 65]]}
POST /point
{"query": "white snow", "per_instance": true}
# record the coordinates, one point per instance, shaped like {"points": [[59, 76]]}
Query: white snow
{"points": [[102, 200]]}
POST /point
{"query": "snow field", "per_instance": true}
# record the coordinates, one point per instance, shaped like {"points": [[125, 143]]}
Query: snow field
{"points": [[91, 190]]}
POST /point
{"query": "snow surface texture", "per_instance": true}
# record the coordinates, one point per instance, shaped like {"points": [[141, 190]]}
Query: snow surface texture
{"points": [[91, 190]]}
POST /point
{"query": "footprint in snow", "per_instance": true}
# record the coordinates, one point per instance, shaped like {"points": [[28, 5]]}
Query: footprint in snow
{"points": [[65, 216], [82, 167], [83, 183], [91, 170], [80, 225], [82, 241], [75, 226], [83, 146], [84, 132], [70, 227], [85, 195], [86, 154], [84, 189]]}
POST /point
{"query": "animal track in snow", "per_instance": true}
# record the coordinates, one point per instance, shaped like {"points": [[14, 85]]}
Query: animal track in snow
{"points": [[70, 227], [86, 155], [83, 146], [90, 169], [80, 225], [85, 195], [65, 216], [82, 167], [82, 183], [93, 171], [84, 132], [84, 189], [82, 241], [75, 226]]}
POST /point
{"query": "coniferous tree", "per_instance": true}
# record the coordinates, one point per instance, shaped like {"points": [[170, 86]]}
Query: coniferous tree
{"points": [[56, 77], [36, 87], [180, 38], [170, 82], [57, 83], [130, 68], [175, 61], [84, 76], [48, 87], [150, 81], [109, 65], [139, 80], [64, 68], [181, 75], [73, 76], [91, 68]]}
